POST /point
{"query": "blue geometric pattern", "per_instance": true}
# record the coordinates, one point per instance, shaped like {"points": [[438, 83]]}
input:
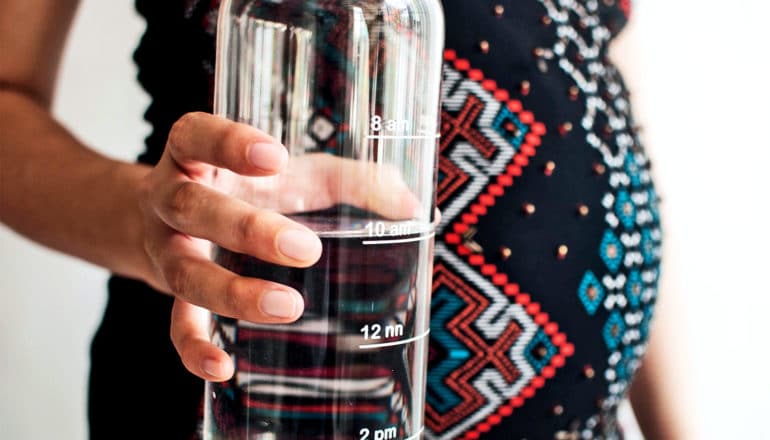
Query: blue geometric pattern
{"points": [[499, 125], [625, 209], [445, 306], [533, 352], [648, 246], [633, 170], [623, 368], [654, 204], [644, 327], [634, 288], [613, 330], [591, 292], [611, 251]]}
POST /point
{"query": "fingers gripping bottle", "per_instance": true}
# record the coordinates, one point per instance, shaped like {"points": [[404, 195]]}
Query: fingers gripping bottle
{"points": [[352, 89]]}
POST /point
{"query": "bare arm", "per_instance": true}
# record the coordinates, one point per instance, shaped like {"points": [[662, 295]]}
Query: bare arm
{"points": [[135, 220], [660, 393], [53, 189]]}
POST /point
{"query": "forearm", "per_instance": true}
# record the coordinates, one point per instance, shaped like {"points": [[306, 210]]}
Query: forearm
{"points": [[660, 394], [59, 193]]}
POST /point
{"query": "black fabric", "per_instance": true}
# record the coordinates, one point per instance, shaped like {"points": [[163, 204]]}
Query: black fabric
{"points": [[138, 387], [169, 57]]}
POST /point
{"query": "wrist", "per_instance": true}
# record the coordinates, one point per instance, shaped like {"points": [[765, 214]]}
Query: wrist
{"points": [[132, 261]]}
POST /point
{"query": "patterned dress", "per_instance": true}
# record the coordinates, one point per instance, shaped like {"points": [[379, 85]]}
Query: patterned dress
{"points": [[548, 253]]}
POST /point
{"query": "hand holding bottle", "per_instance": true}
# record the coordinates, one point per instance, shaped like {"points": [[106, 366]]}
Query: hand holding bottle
{"points": [[186, 205]]}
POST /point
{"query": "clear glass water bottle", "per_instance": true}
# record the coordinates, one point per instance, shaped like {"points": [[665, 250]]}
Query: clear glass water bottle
{"points": [[352, 89]]}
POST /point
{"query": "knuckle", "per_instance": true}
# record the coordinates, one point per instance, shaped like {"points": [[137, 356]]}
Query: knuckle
{"points": [[234, 297], [229, 139], [176, 134], [181, 200], [179, 276], [248, 227], [147, 194]]}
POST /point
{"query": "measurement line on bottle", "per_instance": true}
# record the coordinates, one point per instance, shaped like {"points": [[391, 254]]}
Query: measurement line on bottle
{"points": [[394, 343], [396, 136], [422, 428], [403, 240]]}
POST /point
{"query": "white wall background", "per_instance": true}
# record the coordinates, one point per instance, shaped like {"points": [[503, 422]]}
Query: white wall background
{"points": [[702, 85]]}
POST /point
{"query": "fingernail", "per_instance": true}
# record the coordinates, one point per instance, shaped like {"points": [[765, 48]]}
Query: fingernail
{"points": [[212, 367], [268, 156], [281, 304], [298, 244]]}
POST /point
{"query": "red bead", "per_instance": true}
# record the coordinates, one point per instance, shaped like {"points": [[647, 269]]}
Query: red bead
{"points": [[505, 411], [463, 251], [557, 361], [450, 55], [568, 349], [541, 319], [523, 299], [521, 160], [551, 328], [470, 219], [489, 84], [488, 269], [475, 74], [533, 308], [462, 64], [472, 435], [527, 150], [504, 180], [452, 238], [486, 200], [538, 128], [478, 209], [496, 190], [511, 289], [460, 228], [514, 106], [513, 170], [533, 139], [502, 95], [548, 372], [484, 427], [538, 382], [494, 419], [476, 260], [500, 279], [517, 402], [528, 392], [559, 339], [527, 117]]}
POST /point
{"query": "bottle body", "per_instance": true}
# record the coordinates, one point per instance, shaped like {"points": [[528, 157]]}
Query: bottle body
{"points": [[352, 89]]}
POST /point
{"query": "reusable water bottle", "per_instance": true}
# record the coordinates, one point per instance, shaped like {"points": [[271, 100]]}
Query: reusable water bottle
{"points": [[352, 89]]}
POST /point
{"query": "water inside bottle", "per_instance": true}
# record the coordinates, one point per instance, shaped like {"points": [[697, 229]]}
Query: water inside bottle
{"points": [[353, 366]]}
